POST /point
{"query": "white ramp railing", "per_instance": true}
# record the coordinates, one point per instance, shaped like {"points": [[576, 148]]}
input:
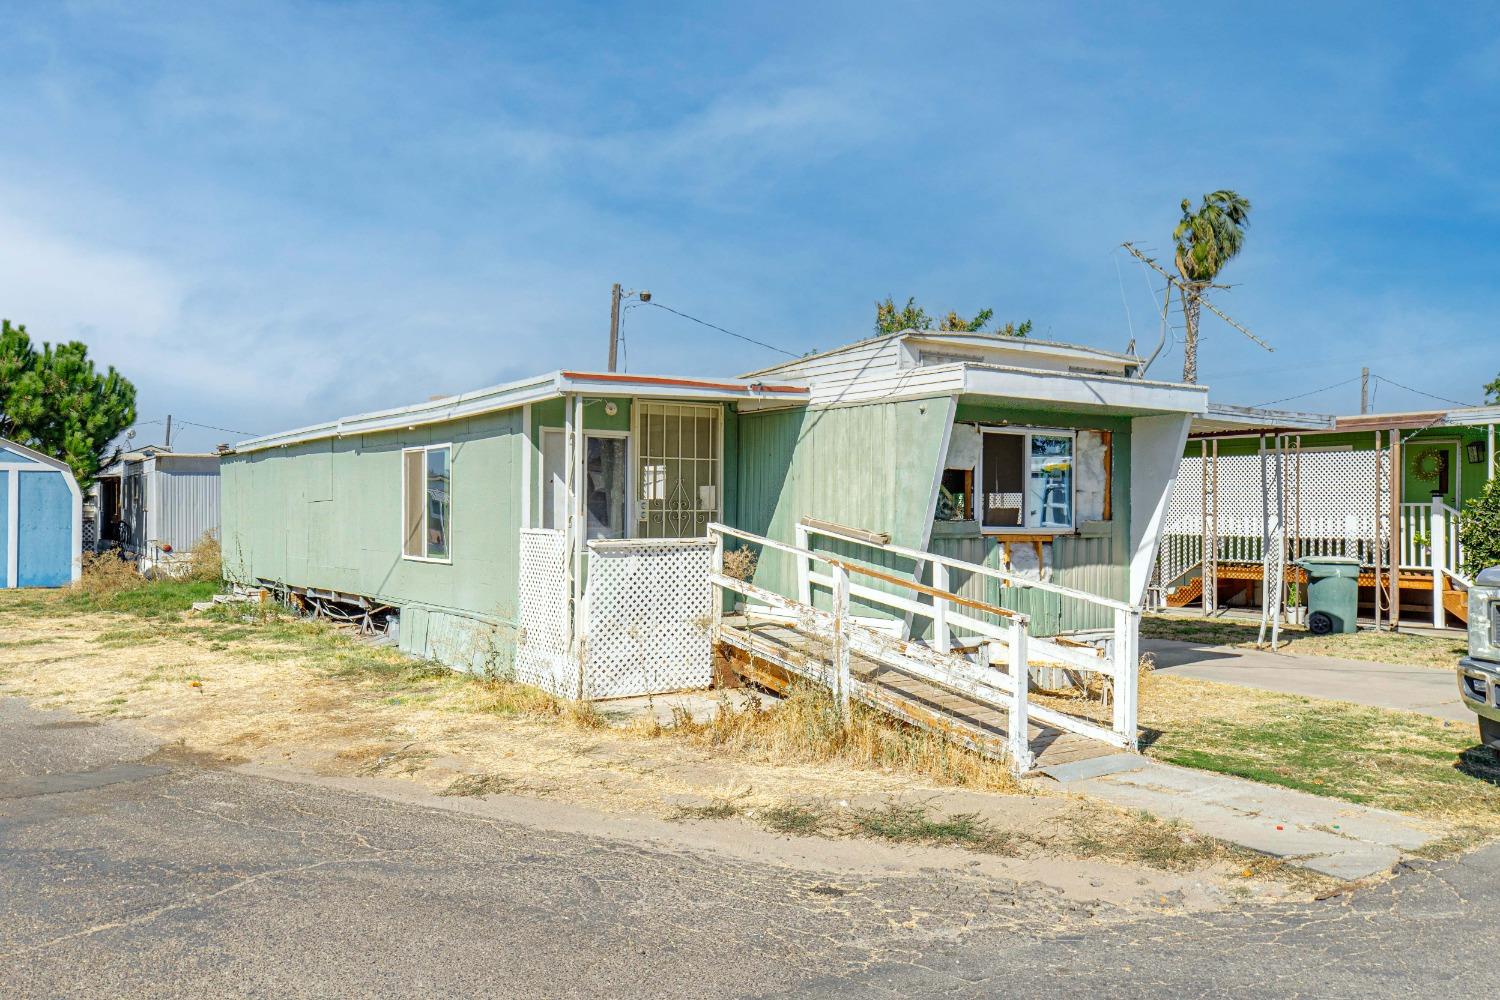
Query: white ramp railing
{"points": [[1005, 639]]}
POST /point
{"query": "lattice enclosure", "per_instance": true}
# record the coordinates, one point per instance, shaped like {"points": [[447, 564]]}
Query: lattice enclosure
{"points": [[649, 617], [542, 641], [1336, 503]]}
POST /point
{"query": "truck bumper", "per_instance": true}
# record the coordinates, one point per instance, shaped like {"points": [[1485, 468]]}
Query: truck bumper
{"points": [[1479, 686]]}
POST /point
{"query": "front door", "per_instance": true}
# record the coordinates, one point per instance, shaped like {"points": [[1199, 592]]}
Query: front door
{"points": [[1428, 468]]}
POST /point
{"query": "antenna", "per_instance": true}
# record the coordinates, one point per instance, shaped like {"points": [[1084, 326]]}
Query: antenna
{"points": [[1190, 294]]}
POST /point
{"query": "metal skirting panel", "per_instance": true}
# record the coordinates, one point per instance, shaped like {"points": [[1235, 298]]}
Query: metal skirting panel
{"points": [[649, 617]]}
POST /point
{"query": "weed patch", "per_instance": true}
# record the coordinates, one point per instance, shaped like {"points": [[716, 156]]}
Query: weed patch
{"points": [[478, 785], [718, 809]]}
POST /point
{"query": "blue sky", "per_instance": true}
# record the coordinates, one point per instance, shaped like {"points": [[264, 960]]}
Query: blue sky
{"points": [[272, 213]]}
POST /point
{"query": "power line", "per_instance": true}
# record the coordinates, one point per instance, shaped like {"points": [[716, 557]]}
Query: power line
{"points": [[192, 423], [737, 336], [1300, 395], [1419, 392]]}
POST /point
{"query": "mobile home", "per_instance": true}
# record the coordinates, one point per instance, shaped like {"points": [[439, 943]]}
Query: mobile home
{"points": [[563, 529]]}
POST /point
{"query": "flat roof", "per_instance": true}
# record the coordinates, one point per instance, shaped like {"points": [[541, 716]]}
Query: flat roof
{"points": [[538, 388], [1224, 419], [1055, 347]]}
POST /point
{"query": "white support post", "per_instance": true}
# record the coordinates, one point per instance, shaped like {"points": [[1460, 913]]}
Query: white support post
{"points": [[577, 534], [1439, 541], [804, 585], [841, 640], [1020, 675], [942, 638], [1127, 666], [716, 595]]}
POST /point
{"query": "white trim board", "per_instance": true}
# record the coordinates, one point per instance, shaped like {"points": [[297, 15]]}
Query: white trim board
{"points": [[12, 527]]}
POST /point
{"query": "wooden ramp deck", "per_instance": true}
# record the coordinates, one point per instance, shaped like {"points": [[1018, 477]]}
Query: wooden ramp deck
{"points": [[774, 654]]}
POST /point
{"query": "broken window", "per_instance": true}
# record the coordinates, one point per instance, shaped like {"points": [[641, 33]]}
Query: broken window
{"points": [[426, 502], [956, 495], [677, 469]]}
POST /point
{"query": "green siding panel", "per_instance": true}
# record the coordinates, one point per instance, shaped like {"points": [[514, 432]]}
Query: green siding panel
{"points": [[869, 466], [327, 514]]}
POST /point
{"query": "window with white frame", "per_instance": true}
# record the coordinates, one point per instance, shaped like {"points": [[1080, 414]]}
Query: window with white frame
{"points": [[1026, 480], [426, 502], [678, 469]]}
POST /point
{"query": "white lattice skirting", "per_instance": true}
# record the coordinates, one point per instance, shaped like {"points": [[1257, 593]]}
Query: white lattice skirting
{"points": [[646, 608], [649, 617], [542, 639]]}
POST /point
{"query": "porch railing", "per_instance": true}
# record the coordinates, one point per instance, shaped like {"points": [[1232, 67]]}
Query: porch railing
{"points": [[962, 627]]}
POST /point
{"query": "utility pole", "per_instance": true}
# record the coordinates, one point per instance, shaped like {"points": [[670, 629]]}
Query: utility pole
{"points": [[614, 325], [167, 444], [1364, 390]]}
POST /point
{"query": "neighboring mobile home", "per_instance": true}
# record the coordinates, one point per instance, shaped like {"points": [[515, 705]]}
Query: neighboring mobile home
{"points": [[41, 519], [1385, 488], [554, 528], [153, 504]]}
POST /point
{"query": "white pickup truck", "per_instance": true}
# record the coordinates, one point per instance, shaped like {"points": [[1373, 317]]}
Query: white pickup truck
{"points": [[1479, 672]]}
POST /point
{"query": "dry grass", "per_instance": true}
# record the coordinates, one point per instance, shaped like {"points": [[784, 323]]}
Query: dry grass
{"points": [[248, 680], [807, 728], [739, 563], [1408, 648]]}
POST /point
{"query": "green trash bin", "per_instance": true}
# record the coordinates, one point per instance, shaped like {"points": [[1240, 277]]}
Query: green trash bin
{"points": [[1332, 593]]}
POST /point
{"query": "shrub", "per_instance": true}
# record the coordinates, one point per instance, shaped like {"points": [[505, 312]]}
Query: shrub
{"points": [[106, 573], [1479, 530], [206, 563]]}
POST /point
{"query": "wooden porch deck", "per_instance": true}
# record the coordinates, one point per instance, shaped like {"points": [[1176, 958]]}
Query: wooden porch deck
{"points": [[773, 654], [1454, 600]]}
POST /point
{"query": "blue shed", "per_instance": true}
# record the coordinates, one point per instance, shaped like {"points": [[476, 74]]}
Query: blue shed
{"points": [[41, 512]]}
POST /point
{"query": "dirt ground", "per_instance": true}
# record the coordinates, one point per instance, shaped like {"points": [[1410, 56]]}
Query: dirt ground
{"points": [[259, 702]]}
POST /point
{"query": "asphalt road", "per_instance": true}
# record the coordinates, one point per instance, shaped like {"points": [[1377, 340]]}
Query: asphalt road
{"points": [[129, 870]]}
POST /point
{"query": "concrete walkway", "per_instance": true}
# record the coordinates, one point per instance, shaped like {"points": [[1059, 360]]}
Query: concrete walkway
{"points": [[1340, 839], [1383, 685]]}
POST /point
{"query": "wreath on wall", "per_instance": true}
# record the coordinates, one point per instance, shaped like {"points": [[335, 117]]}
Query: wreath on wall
{"points": [[1430, 462]]}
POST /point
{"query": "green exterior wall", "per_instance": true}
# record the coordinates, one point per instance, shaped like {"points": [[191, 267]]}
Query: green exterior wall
{"points": [[869, 466], [1095, 559], [327, 515], [873, 466]]}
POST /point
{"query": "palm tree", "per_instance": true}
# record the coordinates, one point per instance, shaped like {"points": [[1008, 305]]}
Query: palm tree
{"points": [[1206, 240]]}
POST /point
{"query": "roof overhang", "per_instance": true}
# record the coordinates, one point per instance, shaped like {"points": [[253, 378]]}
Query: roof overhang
{"points": [[955, 338], [537, 389], [1024, 345], [1223, 420], [1390, 421], [1083, 391]]}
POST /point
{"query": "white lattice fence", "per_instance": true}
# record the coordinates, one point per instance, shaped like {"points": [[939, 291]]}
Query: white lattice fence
{"points": [[542, 641], [1337, 504], [649, 617]]}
